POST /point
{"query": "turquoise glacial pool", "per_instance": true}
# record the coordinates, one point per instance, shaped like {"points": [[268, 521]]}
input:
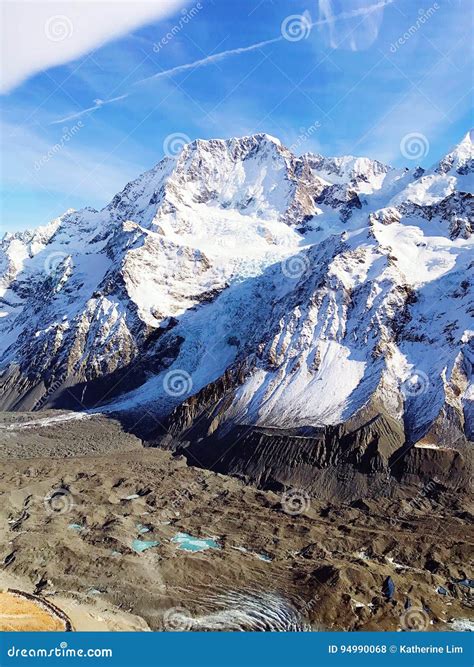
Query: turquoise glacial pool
{"points": [[142, 545], [187, 542], [142, 529]]}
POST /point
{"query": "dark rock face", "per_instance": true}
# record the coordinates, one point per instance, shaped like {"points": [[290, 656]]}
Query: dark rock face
{"points": [[360, 458], [334, 463]]}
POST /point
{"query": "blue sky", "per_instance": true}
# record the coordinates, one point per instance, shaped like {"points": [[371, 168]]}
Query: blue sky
{"points": [[361, 77]]}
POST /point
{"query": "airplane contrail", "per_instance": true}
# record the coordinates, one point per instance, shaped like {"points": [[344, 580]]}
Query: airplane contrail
{"points": [[203, 62], [96, 106]]}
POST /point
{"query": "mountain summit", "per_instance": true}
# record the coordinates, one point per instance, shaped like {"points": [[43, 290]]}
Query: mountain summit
{"points": [[277, 291]]}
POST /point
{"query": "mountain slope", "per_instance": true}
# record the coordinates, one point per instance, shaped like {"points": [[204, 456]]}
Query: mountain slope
{"points": [[310, 290]]}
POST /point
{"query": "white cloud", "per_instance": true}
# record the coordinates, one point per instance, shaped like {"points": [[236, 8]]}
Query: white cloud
{"points": [[46, 33]]}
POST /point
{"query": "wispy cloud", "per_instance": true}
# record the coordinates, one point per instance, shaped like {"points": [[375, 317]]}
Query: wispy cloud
{"points": [[43, 34], [345, 35], [222, 55]]}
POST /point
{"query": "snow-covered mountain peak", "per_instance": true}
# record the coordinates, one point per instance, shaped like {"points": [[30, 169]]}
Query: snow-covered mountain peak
{"points": [[331, 280], [238, 145], [444, 190], [347, 169], [460, 160]]}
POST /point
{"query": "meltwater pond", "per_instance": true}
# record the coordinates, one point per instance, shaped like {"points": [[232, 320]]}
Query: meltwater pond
{"points": [[187, 542], [142, 545], [142, 529]]}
